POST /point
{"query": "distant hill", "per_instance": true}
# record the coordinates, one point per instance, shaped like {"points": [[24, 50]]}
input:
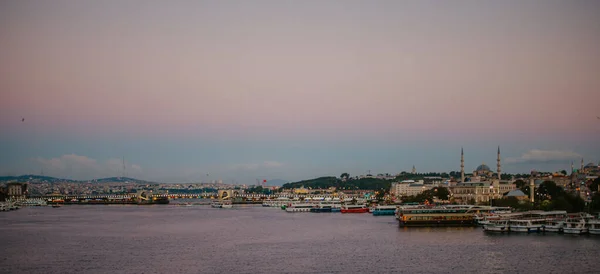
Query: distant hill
{"points": [[276, 182], [38, 178], [330, 181]]}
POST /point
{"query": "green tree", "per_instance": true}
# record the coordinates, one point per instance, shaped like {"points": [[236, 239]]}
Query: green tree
{"points": [[441, 193], [564, 172], [520, 184]]}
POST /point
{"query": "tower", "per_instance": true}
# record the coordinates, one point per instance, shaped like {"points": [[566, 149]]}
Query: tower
{"points": [[581, 170], [414, 170], [498, 161], [572, 168], [462, 166], [531, 188]]}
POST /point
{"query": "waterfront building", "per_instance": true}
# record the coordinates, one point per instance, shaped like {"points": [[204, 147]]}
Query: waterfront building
{"points": [[410, 188], [16, 190]]}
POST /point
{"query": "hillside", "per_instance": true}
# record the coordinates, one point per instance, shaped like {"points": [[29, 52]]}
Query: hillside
{"points": [[326, 182], [48, 179]]}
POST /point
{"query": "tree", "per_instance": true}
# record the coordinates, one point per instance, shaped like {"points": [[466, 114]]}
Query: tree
{"points": [[564, 172], [345, 175], [441, 193], [520, 184]]}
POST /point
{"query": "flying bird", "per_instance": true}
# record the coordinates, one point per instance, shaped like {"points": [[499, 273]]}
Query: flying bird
{"points": [[23, 120]]}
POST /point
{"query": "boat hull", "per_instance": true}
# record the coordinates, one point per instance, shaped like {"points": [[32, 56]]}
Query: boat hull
{"points": [[436, 223], [383, 213], [594, 231], [321, 210], [553, 229], [525, 229], [492, 228], [355, 210], [576, 231]]}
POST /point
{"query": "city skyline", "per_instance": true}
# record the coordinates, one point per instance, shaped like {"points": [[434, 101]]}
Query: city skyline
{"points": [[295, 90]]}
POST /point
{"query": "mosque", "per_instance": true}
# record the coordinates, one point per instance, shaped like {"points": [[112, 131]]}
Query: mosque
{"points": [[482, 186], [482, 172]]}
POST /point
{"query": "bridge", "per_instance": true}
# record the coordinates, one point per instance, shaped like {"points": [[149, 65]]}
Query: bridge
{"points": [[203, 195]]}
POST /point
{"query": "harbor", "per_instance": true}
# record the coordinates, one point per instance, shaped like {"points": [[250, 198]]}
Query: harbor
{"points": [[252, 238]]}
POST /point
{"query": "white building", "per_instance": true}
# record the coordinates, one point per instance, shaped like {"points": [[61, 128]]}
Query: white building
{"points": [[409, 188]]}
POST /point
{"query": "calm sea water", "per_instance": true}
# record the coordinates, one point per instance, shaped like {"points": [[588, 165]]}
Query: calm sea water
{"points": [[251, 239]]}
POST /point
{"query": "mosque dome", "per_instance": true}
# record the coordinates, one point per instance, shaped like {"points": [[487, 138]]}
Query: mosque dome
{"points": [[591, 165], [483, 167]]}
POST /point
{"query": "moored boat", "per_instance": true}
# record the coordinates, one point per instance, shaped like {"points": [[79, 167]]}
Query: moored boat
{"points": [[554, 225], [527, 225], [499, 225], [384, 210], [575, 226], [354, 209], [435, 216], [594, 226], [299, 207]]}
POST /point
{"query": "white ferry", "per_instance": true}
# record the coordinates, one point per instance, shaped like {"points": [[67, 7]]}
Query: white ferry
{"points": [[299, 207], [575, 226], [594, 226], [554, 225], [499, 225], [527, 225]]}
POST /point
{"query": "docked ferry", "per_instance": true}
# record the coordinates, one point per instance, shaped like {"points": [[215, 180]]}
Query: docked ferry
{"points": [[300, 207], [354, 209], [593, 226], [384, 210], [435, 216]]}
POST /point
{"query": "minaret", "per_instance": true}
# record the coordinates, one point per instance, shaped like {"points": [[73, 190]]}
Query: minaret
{"points": [[498, 161], [531, 188], [414, 170], [462, 166], [581, 169], [572, 168]]}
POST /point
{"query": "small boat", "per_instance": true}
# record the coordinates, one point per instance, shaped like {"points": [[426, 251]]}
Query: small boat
{"points": [[216, 204], [56, 205], [227, 204]]}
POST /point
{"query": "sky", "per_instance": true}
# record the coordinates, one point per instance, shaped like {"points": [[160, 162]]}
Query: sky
{"points": [[193, 91]]}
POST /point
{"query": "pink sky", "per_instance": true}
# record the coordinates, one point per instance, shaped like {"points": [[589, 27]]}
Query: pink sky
{"points": [[305, 69]]}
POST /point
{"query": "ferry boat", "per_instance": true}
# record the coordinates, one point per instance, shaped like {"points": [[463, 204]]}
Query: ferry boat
{"points": [[499, 225], [277, 202], [384, 210], [527, 225], [435, 216], [575, 226], [322, 209], [554, 225], [593, 226], [354, 209], [300, 207]]}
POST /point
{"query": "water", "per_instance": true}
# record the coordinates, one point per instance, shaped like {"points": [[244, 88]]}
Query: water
{"points": [[251, 239]]}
